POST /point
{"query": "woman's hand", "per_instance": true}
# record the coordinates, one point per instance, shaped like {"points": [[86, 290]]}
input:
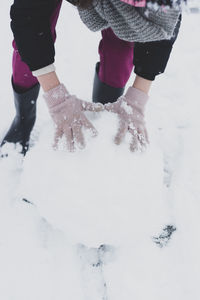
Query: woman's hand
{"points": [[67, 111], [130, 110]]}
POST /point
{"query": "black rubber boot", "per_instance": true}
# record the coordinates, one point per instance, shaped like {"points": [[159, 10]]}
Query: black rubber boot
{"points": [[22, 125], [102, 92]]}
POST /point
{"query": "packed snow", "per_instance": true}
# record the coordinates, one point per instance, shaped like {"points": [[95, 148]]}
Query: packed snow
{"points": [[88, 227]]}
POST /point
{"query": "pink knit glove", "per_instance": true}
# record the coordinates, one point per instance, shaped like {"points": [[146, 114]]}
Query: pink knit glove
{"points": [[67, 112], [130, 110]]}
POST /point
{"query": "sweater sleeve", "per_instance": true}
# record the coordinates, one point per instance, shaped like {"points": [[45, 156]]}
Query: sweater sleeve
{"points": [[151, 58], [30, 23], [93, 20]]}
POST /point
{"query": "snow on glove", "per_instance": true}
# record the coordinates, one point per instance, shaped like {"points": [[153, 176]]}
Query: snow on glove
{"points": [[130, 110], [67, 112]]}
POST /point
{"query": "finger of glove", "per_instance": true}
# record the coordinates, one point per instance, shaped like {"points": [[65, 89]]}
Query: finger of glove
{"points": [[123, 127], [58, 135], [69, 139], [88, 125], [142, 138], [78, 135], [134, 144], [94, 107], [134, 140], [110, 107]]}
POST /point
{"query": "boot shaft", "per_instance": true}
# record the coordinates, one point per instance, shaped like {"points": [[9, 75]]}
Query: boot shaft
{"points": [[22, 125], [25, 103]]}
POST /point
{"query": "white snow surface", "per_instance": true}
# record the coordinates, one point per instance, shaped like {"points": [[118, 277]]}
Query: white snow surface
{"points": [[94, 190], [104, 194]]}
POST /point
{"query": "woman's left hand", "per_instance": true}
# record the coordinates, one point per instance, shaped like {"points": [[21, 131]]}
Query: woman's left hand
{"points": [[130, 110]]}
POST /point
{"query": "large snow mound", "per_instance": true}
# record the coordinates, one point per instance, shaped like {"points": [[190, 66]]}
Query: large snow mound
{"points": [[103, 194]]}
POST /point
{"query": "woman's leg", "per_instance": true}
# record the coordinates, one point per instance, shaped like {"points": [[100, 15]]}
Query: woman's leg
{"points": [[116, 59], [114, 68], [26, 90], [23, 79]]}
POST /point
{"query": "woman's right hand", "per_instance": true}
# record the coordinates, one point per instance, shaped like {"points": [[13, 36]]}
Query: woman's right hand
{"points": [[67, 112]]}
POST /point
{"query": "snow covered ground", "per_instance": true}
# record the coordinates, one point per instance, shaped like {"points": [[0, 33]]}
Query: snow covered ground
{"points": [[89, 232]]}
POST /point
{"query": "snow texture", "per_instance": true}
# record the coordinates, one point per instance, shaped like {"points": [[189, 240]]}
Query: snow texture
{"points": [[104, 223]]}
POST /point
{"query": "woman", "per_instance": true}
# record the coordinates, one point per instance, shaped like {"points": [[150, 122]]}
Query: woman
{"points": [[132, 35]]}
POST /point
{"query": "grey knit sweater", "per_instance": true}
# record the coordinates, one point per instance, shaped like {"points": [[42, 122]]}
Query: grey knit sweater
{"points": [[130, 23]]}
